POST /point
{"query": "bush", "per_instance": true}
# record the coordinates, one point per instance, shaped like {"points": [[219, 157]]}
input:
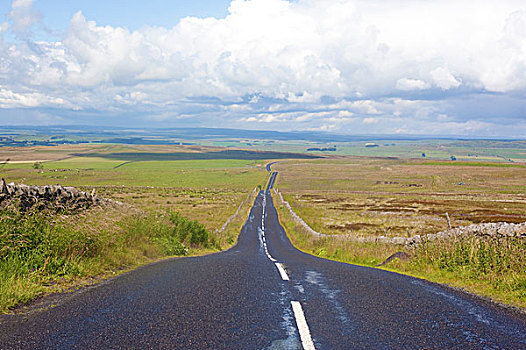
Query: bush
{"points": [[500, 261], [189, 230]]}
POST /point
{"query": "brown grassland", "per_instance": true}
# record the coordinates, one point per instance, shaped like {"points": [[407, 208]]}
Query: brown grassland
{"points": [[388, 197], [399, 197]]}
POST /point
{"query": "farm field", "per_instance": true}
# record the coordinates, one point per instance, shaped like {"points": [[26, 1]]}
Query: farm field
{"points": [[313, 143], [471, 150], [366, 197]]}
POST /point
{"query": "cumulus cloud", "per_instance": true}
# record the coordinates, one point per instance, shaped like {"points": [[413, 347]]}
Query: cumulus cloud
{"points": [[23, 16], [272, 60], [406, 84], [444, 79]]}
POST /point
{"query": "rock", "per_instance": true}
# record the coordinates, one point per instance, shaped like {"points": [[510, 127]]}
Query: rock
{"points": [[506, 229], [399, 240], [52, 197], [397, 255]]}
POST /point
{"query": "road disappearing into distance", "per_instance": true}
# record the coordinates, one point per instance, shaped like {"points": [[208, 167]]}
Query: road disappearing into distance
{"points": [[265, 294]]}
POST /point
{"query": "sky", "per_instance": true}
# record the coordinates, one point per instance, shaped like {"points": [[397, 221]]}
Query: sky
{"points": [[409, 67]]}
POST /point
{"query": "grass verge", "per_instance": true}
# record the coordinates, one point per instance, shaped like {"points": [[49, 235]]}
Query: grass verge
{"points": [[42, 253]]}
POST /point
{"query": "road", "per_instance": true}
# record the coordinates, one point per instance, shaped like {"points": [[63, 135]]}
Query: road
{"points": [[265, 294]]}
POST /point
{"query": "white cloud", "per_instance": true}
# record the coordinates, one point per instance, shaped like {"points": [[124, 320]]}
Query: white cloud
{"points": [[23, 16], [407, 84], [370, 120], [353, 58], [506, 60], [10, 99], [345, 114], [444, 79], [4, 27], [326, 127]]}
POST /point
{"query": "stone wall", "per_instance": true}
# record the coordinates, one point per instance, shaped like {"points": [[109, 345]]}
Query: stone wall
{"points": [[491, 229], [229, 220], [53, 197]]}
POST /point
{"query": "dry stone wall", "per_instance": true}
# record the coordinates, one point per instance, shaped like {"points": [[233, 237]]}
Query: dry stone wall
{"points": [[229, 220], [53, 197]]}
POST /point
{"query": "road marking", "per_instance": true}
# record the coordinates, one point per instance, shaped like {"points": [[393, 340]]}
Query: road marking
{"points": [[282, 272], [268, 254], [265, 241], [303, 327]]}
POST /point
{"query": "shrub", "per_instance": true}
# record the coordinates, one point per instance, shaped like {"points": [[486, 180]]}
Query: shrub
{"points": [[189, 230]]}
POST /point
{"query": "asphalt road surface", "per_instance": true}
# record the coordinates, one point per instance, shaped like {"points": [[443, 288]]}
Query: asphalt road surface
{"points": [[265, 294]]}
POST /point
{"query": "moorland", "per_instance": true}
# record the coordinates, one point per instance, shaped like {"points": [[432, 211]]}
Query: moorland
{"points": [[351, 200], [189, 194]]}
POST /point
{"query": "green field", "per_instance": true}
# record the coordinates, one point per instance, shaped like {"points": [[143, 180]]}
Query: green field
{"points": [[100, 171], [435, 149], [46, 252], [208, 190]]}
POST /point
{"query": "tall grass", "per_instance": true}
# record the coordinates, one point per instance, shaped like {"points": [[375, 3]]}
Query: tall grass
{"points": [[497, 264], [37, 251]]}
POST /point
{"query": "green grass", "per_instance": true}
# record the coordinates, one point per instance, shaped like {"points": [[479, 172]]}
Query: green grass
{"points": [[496, 265], [205, 190], [230, 154], [191, 164], [40, 252], [100, 171]]}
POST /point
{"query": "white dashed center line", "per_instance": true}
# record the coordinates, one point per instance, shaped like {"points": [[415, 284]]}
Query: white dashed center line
{"points": [[303, 328], [264, 239], [282, 272]]}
